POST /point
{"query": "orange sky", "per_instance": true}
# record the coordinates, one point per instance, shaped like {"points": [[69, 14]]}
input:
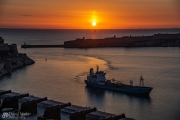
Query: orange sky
{"points": [[79, 14]]}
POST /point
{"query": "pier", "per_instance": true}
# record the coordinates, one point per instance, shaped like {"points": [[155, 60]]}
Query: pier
{"points": [[42, 46], [35, 108]]}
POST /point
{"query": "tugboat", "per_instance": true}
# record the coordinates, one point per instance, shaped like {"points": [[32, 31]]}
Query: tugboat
{"points": [[98, 79]]}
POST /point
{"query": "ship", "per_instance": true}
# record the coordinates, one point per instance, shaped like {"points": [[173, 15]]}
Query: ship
{"points": [[98, 79]]}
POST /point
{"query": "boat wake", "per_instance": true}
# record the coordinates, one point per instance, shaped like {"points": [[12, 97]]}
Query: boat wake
{"points": [[107, 62], [107, 66], [79, 77]]}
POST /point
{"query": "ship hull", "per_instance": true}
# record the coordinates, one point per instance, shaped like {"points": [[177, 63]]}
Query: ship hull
{"points": [[144, 91]]}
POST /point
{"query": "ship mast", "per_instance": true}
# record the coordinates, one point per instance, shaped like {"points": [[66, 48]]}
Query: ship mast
{"points": [[97, 68], [141, 81]]}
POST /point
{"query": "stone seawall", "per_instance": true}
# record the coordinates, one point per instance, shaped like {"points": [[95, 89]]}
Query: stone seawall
{"points": [[156, 40]]}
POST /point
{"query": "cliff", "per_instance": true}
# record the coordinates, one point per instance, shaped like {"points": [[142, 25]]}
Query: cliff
{"points": [[11, 59]]}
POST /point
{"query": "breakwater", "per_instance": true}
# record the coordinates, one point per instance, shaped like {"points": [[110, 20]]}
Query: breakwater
{"points": [[42, 46], [43, 108], [156, 40]]}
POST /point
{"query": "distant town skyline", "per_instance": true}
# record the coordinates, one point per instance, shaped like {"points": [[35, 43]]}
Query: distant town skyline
{"points": [[79, 14]]}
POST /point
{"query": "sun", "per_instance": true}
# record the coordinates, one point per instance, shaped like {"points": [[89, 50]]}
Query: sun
{"points": [[94, 23]]}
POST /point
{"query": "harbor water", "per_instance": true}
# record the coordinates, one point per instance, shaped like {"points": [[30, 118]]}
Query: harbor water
{"points": [[59, 73]]}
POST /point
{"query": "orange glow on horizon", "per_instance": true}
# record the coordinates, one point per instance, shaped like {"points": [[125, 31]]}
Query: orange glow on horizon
{"points": [[89, 14]]}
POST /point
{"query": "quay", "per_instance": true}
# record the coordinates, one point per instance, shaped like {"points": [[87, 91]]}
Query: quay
{"points": [[37, 108]]}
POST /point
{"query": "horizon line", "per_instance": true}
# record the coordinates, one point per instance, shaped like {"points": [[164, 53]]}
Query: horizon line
{"points": [[90, 28]]}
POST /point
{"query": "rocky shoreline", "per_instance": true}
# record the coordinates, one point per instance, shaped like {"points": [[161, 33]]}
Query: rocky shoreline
{"points": [[11, 59]]}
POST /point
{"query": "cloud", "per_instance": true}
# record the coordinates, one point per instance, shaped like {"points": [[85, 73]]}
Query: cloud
{"points": [[2, 2], [27, 15], [177, 2], [37, 16]]}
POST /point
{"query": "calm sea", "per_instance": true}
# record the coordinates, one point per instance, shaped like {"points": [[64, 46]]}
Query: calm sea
{"points": [[61, 76]]}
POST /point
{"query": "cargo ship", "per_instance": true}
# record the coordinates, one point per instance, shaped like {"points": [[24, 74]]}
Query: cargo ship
{"points": [[98, 79]]}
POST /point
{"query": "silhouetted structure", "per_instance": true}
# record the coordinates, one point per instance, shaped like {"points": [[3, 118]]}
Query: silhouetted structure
{"points": [[4, 92], [53, 112], [31, 106], [81, 115], [12, 102], [115, 117], [156, 40], [11, 59]]}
